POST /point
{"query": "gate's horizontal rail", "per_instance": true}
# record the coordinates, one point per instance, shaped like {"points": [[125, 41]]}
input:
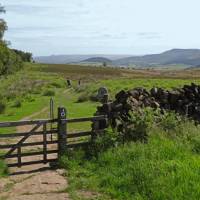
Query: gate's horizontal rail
{"points": [[30, 154], [27, 122], [32, 163], [10, 135], [43, 121], [7, 146]]}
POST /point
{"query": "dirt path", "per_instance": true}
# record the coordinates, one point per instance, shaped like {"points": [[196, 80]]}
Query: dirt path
{"points": [[36, 181]]}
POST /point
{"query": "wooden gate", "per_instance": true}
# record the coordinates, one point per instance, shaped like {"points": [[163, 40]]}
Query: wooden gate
{"points": [[42, 128]]}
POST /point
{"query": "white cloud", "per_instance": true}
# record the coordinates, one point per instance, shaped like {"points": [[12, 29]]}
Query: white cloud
{"points": [[114, 26]]}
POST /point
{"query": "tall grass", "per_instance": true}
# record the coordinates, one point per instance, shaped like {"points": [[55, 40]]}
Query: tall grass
{"points": [[164, 168], [3, 168]]}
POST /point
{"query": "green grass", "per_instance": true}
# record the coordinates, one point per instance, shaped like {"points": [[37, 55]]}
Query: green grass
{"points": [[3, 168], [164, 168], [115, 86]]}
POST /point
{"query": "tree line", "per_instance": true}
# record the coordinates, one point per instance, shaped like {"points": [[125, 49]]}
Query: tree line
{"points": [[11, 60]]}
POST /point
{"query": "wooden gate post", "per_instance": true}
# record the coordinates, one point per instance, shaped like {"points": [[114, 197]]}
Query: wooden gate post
{"points": [[62, 131]]}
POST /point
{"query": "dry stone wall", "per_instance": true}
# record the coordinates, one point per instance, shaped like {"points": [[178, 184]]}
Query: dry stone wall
{"points": [[185, 101]]}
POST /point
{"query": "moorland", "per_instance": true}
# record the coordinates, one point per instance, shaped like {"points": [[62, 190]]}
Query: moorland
{"points": [[166, 167]]}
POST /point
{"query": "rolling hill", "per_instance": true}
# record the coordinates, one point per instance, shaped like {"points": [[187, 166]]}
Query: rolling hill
{"points": [[68, 59], [97, 60], [186, 57], [190, 57]]}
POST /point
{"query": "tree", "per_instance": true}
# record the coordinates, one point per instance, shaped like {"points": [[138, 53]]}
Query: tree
{"points": [[3, 25], [10, 62], [25, 56]]}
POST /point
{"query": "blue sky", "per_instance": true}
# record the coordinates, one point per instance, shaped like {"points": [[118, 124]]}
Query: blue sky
{"points": [[47, 27]]}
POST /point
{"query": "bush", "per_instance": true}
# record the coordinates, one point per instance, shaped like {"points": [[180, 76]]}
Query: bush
{"points": [[9, 61], [170, 120], [56, 85], [136, 127], [49, 93], [3, 169], [25, 56], [29, 98], [17, 104], [102, 142], [82, 98], [94, 98], [2, 106]]}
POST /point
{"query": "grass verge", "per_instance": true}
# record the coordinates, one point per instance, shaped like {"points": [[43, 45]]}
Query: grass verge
{"points": [[167, 167]]}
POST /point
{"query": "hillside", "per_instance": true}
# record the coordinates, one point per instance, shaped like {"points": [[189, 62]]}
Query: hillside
{"points": [[66, 59], [97, 60], [190, 57], [187, 57]]}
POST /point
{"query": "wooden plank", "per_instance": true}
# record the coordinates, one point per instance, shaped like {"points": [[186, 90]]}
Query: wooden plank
{"points": [[86, 119], [44, 143], [80, 134], [19, 159], [10, 135], [76, 145], [23, 139], [41, 121], [26, 122], [7, 146], [31, 154], [31, 163]]}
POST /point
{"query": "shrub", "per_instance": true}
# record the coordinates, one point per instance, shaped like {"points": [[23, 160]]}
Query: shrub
{"points": [[17, 104], [56, 85], [29, 98], [102, 142], [49, 92], [169, 120], [2, 106], [195, 141], [3, 169], [137, 125], [9, 61], [82, 98], [94, 98]]}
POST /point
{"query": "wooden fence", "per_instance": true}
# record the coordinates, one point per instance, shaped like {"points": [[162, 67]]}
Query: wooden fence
{"points": [[40, 128]]}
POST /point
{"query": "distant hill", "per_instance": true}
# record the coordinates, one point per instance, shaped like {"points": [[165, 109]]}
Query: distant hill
{"points": [[65, 59], [97, 60], [186, 57], [189, 57]]}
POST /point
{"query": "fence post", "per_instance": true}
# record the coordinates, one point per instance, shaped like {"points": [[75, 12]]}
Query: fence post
{"points": [[62, 131]]}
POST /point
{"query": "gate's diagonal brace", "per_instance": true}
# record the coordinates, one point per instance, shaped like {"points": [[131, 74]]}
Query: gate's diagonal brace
{"points": [[23, 139]]}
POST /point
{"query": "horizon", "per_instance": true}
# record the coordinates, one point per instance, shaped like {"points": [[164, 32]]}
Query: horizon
{"points": [[91, 54], [86, 27]]}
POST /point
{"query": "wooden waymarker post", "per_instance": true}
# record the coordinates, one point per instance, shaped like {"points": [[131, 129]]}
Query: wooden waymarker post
{"points": [[62, 131]]}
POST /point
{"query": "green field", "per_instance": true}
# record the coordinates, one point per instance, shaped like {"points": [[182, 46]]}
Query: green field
{"points": [[29, 86], [167, 167]]}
